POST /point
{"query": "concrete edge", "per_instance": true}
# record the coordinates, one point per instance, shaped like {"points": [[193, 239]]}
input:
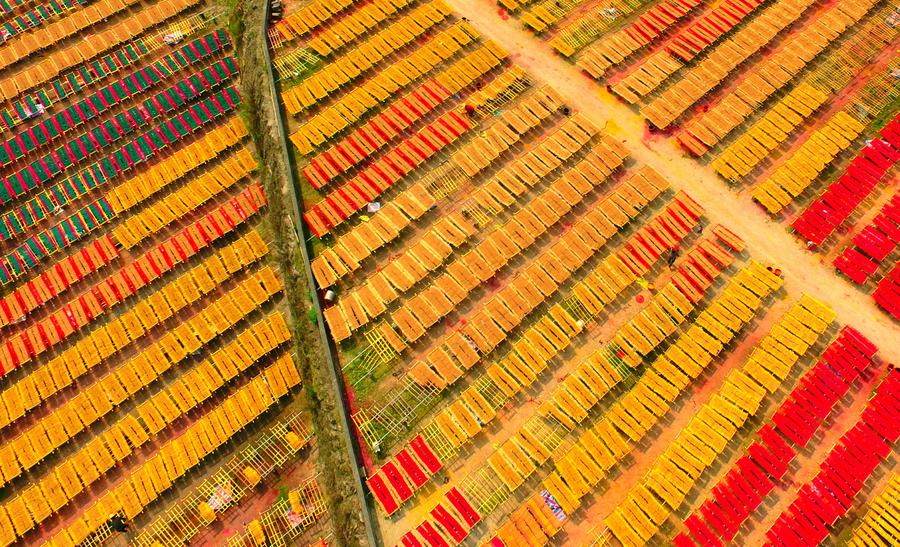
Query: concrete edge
{"points": [[300, 228]]}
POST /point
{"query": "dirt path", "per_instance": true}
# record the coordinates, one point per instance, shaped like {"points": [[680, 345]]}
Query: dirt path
{"points": [[767, 240]]}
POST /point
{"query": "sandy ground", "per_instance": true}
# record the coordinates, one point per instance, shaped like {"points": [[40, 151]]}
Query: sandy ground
{"points": [[768, 241]]}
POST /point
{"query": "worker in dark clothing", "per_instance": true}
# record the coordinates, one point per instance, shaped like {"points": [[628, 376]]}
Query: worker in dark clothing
{"points": [[673, 256], [117, 523]]}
